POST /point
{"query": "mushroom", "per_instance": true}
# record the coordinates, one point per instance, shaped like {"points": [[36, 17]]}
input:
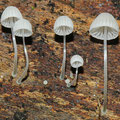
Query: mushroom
{"points": [[104, 27], [76, 61], [63, 26], [23, 28], [8, 18]]}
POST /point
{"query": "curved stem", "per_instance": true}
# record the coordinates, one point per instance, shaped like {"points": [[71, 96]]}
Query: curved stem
{"points": [[27, 64], [14, 73], [105, 72], [75, 79], [62, 75]]}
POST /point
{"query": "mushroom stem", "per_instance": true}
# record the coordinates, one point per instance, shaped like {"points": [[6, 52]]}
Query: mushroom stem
{"points": [[62, 75], [14, 73], [75, 79], [27, 64], [71, 74], [76, 76], [105, 72]]}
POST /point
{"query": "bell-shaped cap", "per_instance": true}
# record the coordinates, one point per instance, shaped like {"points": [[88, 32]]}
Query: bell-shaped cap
{"points": [[98, 25], [22, 28], [76, 61], [9, 16], [63, 26]]}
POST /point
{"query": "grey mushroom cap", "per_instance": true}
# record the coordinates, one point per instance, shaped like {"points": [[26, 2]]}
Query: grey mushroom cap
{"points": [[9, 16], [63, 26], [101, 21]]}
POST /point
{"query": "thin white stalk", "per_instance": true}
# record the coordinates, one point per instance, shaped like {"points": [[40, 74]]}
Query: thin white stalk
{"points": [[62, 75], [105, 72], [19, 81], [14, 73], [75, 79], [71, 74]]}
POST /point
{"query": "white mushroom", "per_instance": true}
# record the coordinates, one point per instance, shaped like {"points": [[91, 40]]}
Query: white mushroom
{"points": [[23, 28], [8, 18], [104, 27], [63, 26], [76, 61]]}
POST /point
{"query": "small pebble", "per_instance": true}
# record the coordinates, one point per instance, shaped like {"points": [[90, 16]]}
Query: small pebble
{"points": [[67, 81], [45, 82]]}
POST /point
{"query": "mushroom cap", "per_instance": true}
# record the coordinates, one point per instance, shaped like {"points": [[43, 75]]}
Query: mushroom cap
{"points": [[101, 21], [22, 28], [63, 26], [9, 16], [76, 61]]}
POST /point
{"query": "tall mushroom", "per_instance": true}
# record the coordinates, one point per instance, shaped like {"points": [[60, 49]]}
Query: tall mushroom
{"points": [[63, 26], [23, 28], [104, 27], [76, 61], [8, 18]]}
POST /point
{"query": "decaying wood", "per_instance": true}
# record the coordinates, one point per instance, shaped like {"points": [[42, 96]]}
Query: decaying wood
{"points": [[32, 100]]}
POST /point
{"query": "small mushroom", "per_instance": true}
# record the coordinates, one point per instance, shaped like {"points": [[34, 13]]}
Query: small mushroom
{"points": [[76, 62], [63, 26], [104, 27], [8, 18], [23, 28]]}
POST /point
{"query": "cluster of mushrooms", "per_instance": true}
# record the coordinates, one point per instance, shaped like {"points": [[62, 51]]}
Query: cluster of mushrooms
{"points": [[64, 26], [104, 27], [12, 18]]}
